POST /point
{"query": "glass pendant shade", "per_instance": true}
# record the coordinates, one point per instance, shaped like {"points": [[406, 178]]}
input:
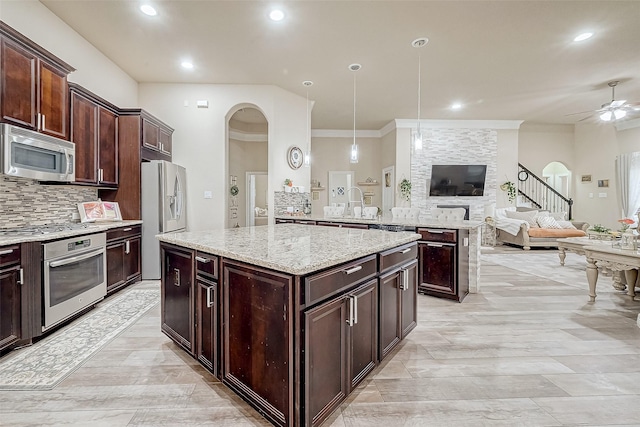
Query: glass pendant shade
{"points": [[353, 157], [417, 140], [354, 153]]}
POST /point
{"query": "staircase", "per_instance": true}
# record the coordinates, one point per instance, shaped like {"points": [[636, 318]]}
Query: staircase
{"points": [[536, 193]]}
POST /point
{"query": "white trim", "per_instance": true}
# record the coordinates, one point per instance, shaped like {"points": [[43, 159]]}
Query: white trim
{"points": [[628, 124], [389, 127], [459, 124], [338, 133], [248, 137]]}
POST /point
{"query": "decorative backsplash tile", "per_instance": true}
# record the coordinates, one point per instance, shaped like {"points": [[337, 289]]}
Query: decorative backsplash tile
{"points": [[282, 200], [25, 202]]}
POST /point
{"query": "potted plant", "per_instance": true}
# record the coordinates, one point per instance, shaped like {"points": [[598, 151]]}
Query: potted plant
{"points": [[510, 188], [405, 189]]}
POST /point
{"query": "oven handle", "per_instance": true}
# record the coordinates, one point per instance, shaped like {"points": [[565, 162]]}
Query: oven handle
{"points": [[76, 258]]}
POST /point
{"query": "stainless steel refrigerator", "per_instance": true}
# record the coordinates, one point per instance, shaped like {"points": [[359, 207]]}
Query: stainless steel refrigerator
{"points": [[163, 209]]}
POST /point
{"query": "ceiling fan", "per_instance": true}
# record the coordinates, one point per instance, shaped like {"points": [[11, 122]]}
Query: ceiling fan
{"points": [[614, 110]]}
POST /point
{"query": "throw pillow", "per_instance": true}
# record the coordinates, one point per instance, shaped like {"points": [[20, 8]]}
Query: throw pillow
{"points": [[566, 224], [529, 216], [559, 216], [548, 222]]}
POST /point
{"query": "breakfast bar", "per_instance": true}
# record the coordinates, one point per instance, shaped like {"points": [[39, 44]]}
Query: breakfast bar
{"points": [[290, 317]]}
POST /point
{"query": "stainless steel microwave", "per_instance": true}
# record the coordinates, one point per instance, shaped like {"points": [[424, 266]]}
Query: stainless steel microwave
{"points": [[28, 154]]}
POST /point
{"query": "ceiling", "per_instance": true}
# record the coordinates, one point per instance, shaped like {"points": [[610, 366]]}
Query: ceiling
{"points": [[503, 60]]}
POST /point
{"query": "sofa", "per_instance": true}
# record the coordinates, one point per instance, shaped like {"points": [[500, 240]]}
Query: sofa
{"points": [[528, 228]]}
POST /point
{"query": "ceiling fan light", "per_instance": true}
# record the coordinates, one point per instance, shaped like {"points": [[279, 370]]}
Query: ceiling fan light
{"points": [[619, 113], [606, 116]]}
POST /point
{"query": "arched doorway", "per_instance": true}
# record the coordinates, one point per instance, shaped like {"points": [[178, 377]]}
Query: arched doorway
{"points": [[558, 177], [248, 148]]}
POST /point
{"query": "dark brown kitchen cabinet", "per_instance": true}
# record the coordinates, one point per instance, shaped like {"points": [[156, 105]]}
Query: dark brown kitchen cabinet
{"points": [[94, 130], [11, 279], [132, 124], [156, 137], [123, 257], [398, 305], [33, 85], [258, 362], [340, 349], [444, 263], [207, 311], [177, 297]]}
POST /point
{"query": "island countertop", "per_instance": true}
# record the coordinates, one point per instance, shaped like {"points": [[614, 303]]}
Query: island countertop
{"points": [[291, 248], [388, 221]]}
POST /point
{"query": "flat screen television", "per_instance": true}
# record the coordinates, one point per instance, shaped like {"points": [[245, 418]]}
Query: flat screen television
{"points": [[457, 180]]}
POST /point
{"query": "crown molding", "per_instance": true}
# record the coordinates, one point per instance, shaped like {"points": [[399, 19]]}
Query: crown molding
{"points": [[339, 133], [459, 124]]}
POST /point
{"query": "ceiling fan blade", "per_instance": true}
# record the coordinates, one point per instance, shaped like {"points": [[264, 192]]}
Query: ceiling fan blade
{"points": [[582, 112], [586, 118], [616, 104]]}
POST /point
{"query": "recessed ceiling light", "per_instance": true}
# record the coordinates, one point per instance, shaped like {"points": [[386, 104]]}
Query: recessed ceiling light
{"points": [[456, 106], [583, 36], [187, 65], [147, 9], [276, 15]]}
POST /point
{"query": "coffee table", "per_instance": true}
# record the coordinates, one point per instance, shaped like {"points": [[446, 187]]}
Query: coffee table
{"points": [[577, 245], [617, 260]]}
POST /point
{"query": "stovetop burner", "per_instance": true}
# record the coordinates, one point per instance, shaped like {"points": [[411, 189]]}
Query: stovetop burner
{"points": [[42, 229]]}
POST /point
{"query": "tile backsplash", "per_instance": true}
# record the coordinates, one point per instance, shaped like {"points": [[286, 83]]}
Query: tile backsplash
{"points": [[282, 201], [26, 202]]}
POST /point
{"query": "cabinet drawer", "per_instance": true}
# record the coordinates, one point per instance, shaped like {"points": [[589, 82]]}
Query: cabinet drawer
{"points": [[305, 222], [398, 256], [9, 255], [207, 265], [124, 232], [330, 282], [438, 235]]}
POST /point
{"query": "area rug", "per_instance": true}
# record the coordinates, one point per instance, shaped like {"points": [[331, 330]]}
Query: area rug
{"points": [[45, 364], [544, 264]]}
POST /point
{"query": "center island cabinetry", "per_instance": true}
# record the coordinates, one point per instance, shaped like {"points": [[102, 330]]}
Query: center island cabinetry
{"points": [[290, 317]]}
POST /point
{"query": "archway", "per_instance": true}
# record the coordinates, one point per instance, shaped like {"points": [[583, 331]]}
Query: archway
{"points": [[248, 149], [558, 177]]}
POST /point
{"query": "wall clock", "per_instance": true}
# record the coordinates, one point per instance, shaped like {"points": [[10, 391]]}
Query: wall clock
{"points": [[295, 157]]}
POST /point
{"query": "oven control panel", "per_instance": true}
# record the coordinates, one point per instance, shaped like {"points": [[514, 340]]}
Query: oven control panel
{"points": [[78, 244]]}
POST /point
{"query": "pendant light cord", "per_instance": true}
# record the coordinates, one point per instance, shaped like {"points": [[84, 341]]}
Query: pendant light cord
{"points": [[419, 89], [354, 108]]}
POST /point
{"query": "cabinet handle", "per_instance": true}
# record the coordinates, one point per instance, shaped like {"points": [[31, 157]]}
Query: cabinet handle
{"points": [[405, 251], [435, 231], [355, 310], [406, 280], [176, 277], [350, 319], [435, 245], [209, 295], [126, 247], [44, 126], [201, 259], [353, 269], [100, 175], [21, 274], [38, 120], [6, 252], [127, 229]]}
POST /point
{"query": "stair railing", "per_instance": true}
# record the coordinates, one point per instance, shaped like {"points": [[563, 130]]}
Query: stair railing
{"points": [[540, 194]]}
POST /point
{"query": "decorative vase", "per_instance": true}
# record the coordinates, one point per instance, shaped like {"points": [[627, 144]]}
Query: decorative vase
{"points": [[628, 240]]}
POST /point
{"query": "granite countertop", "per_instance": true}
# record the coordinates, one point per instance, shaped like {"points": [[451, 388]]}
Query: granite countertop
{"points": [[427, 222], [291, 248], [94, 227]]}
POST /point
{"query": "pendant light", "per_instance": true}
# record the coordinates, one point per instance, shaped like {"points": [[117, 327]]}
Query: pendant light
{"points": [[417, 137], [307, 154], [353, 158]]}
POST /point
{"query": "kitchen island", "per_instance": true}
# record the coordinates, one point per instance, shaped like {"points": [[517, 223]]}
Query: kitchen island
{"points": [[291, 318]]}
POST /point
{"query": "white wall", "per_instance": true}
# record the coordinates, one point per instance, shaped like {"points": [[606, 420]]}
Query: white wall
{"points": [[199, 140], [541, 144], [94, 71]]}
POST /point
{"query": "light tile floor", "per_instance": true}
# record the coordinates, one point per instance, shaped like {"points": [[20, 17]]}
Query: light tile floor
{"points": [[527, 351]]}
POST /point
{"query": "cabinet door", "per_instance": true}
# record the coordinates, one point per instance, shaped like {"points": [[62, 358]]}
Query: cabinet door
{"points": [[177, 296], [390, 306], [165, 141], [115, 262], [409, 296], [84, 120], [19, 83], [131, 258], [150, 134], [53, 101], [325, 359], [10, 300], [363, 335], [108, 147], [438, 268], [207, 324]]}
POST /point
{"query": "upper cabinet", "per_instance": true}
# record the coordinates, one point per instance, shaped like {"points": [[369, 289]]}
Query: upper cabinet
{"points": [[94, 130], [156, 136], [33, 85]]}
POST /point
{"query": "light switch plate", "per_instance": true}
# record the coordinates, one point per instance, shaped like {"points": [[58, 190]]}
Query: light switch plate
{"points": [[602, 195], [208, 195]]}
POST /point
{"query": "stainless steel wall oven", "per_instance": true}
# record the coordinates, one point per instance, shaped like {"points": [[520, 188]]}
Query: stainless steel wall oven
{"points": [[75, 276]]}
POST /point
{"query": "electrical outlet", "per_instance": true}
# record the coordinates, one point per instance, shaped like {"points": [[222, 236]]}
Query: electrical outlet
{"points": [[602, 195]]}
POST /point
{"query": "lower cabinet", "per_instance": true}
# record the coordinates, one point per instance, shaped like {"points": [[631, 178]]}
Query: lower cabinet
{"points": [[10, 295], [398, 306], [340, 348], [123, 257], [206, 321], [177, 311]]}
